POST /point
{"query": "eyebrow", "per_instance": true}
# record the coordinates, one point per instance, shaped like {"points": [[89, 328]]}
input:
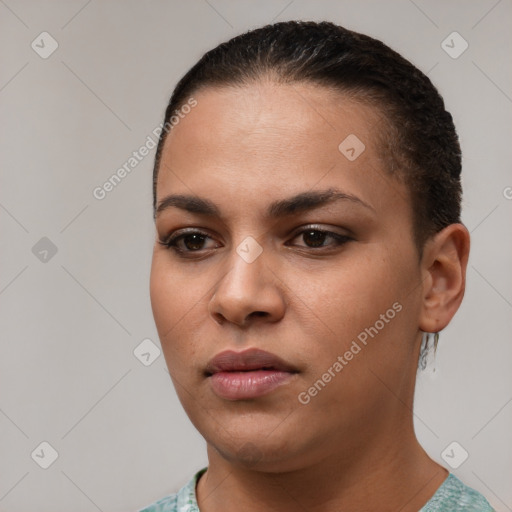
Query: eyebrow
{"points": [[299, 203]]}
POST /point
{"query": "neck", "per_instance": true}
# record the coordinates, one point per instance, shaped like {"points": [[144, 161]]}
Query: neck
{"points": [[391, 472]]}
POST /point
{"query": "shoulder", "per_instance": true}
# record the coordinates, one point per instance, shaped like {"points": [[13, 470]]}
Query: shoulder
{"points": [[455, 496], [183, 501]]}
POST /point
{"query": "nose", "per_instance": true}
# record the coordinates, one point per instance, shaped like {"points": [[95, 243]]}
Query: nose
{"points": [[248, 293]]}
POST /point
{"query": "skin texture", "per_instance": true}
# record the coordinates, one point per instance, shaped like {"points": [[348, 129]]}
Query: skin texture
{"points": [[352, 447]]}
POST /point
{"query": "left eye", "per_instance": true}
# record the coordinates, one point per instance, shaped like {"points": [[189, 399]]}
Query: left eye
{"points": [[314, 238]]}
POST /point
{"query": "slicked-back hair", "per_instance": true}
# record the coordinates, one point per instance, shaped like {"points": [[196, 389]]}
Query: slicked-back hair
{"points": [[419, 145]]}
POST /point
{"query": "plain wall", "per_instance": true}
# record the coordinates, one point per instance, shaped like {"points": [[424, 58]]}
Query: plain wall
{"points": [[70, 323]]}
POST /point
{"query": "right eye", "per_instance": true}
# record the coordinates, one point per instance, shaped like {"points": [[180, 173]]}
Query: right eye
{"points": [[187, 242]]}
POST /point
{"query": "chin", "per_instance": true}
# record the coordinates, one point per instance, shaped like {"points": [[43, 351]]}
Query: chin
{"points": [[263, 448], [259, 456]]}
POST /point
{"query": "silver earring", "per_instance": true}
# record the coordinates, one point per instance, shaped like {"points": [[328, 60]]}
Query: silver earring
{"points": [[422, 363], [436, 341], [425, 350]]}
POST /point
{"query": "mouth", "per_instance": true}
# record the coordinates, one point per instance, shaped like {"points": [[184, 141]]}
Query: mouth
{"points": [[248, 374]]}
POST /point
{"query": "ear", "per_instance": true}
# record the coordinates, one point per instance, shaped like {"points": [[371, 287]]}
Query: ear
{"points": [[443, 267]]}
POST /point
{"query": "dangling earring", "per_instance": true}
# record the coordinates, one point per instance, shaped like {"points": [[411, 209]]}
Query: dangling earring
{"points": [[425, 350], [422, 363], [436, 341]]}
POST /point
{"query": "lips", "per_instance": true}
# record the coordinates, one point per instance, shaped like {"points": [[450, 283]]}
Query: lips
{"points": [[248, 360], [248, 374]]}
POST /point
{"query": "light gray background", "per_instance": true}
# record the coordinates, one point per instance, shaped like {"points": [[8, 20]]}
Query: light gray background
{"points": [[68, 374]]}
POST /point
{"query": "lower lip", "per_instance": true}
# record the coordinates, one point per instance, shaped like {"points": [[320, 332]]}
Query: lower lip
{"points": [[246, 385]]}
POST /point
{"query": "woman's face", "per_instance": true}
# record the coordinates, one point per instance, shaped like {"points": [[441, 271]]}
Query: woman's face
{"points": [[260, 177]]}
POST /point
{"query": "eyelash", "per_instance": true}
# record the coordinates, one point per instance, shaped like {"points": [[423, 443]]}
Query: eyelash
{"points": [[172, 241]]}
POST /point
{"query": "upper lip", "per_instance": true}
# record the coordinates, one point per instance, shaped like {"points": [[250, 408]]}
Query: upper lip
{"points": [[250, 359]]}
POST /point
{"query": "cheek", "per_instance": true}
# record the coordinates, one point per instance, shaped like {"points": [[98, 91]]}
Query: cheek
{"points": [[350, 295], [371, 308], [175, 301], [161, 293], [367, 300]]}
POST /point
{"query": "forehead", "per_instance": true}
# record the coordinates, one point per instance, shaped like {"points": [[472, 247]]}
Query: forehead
{"points": [[282, 117], [268, 139]]}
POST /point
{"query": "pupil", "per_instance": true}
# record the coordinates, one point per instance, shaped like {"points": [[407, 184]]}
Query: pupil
{"points": [[194, 242], [314, 238]]}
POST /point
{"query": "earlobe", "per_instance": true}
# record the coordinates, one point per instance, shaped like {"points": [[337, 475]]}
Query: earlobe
{"points": [[444, 265]]}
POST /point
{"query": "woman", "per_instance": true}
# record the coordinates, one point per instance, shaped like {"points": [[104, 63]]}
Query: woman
{"points": [[307, 207]]}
